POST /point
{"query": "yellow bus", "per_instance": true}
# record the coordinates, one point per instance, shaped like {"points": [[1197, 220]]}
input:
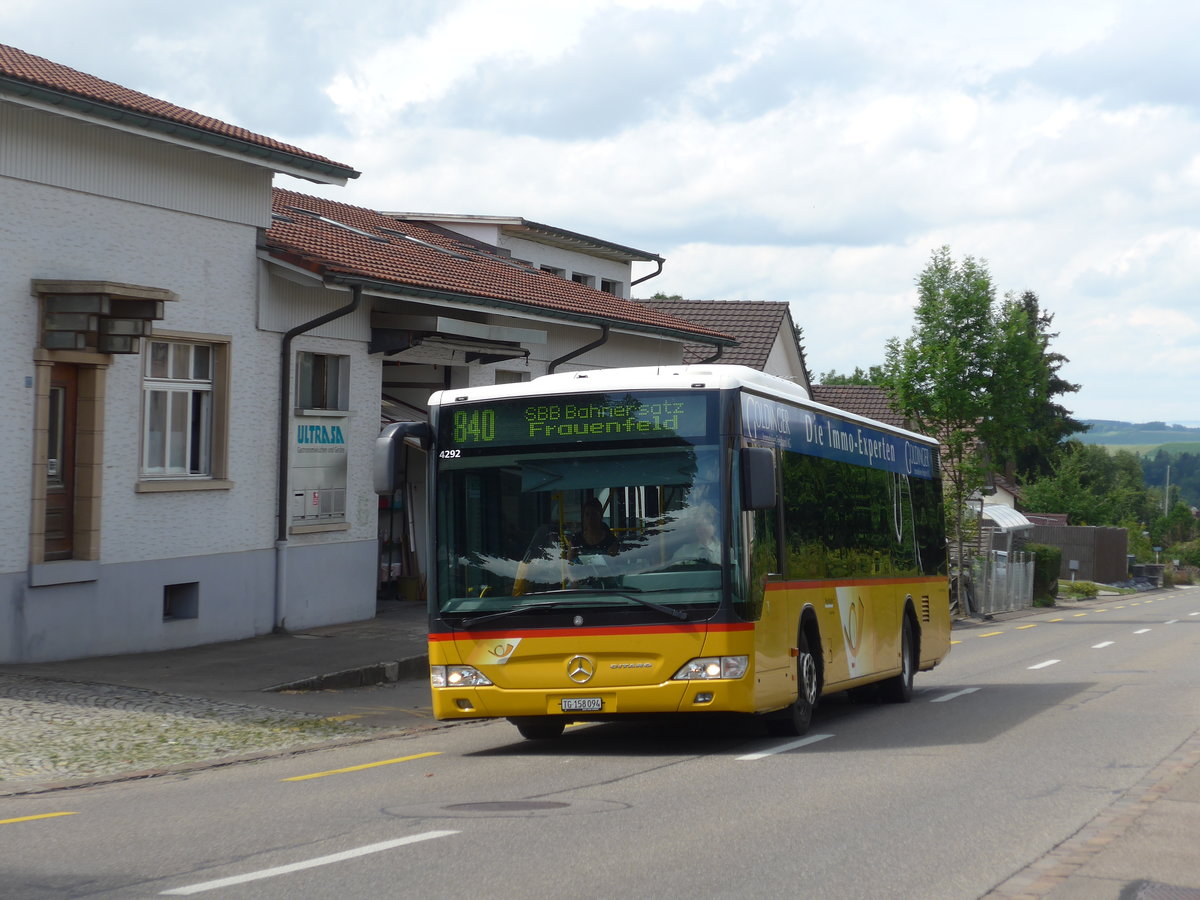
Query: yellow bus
{"points": [[687, 539]]}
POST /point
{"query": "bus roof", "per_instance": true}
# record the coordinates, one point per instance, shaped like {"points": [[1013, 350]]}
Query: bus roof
{"points": [[643, 378]]}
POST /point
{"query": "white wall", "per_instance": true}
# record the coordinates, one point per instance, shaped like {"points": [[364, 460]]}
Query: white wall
{"points": [[569, 260], [187, 222]]}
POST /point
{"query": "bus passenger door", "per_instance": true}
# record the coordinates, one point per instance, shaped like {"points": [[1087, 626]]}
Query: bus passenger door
{"points": [[772, 607]]}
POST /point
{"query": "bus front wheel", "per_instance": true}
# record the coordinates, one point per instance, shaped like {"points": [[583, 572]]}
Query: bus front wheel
{"points": [[539, 728], [796, 719]]}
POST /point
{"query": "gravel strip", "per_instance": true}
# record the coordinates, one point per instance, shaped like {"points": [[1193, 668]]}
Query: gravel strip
{"points": [[60, 731]]}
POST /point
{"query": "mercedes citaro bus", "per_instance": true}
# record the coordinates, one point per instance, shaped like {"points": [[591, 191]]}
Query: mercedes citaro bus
{"points": [[747, 550]]}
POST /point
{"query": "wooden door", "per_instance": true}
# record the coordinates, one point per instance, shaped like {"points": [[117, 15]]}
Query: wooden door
{"points": [[60, 464]]}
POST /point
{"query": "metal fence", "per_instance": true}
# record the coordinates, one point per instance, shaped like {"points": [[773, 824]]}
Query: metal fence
{"points": [[1003, 581]]}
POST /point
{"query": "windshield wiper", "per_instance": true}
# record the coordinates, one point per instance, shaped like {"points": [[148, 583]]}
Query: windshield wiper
{"points": [[475, 620], [627, 593]]}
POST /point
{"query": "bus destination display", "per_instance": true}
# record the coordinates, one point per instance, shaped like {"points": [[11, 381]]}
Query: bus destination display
{"points": [[580, 418]]}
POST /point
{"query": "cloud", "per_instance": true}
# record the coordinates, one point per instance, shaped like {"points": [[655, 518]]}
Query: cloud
{"points": [[806, 152]]}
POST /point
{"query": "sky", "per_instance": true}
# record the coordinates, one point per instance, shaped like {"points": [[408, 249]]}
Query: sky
{"points": [[816, 153]]}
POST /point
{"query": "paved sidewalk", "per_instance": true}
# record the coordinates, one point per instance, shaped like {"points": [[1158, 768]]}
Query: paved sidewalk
{"points": [[90, 720]]}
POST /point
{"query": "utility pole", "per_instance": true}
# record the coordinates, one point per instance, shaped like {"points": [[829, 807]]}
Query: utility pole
{"points": [[1167, 493]]}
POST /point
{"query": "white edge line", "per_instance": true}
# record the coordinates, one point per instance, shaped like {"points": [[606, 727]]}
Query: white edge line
{"points": [[1048, 662], [306, 864], [1102, 645], [792, 745], [1141, 631], [954, 696]]}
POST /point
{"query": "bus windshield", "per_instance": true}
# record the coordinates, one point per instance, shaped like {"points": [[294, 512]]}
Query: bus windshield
{"points": [[632, 527]]}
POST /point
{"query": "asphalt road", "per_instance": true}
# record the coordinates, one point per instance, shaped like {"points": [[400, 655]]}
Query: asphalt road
{"points": [[1028, 731]]}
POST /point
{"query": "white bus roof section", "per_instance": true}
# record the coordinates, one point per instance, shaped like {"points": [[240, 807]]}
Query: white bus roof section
{"points": [[644, 378]]}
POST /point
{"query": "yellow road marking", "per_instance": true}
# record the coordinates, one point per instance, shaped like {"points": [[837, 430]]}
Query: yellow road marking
{"points": [[1118, 607], [386, 762], [33, 818], [1077, 615], [956, 642], [1056, 620], [1099, 610], [1022, 627], [345, 718], [992, 634]]}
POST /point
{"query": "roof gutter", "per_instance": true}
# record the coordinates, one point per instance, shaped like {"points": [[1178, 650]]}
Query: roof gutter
{"points": [[281, 497], [385, 287]]}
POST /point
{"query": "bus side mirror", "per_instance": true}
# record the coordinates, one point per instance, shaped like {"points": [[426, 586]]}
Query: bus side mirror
{"points": [[758, 478], [390, 462]]}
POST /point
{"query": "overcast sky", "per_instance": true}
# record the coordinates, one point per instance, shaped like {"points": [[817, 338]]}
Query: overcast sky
{"points": [[811, 152]]}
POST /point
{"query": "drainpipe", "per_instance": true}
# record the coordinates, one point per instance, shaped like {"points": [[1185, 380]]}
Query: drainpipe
{"points": [[715, 356], [281, 499], [653, 274], [603, 339]]}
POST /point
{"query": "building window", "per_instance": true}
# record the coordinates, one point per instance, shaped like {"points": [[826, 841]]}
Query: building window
{"points": [[551, 270], [322, 381], [610, 287], [585, 280], [177, 411]]}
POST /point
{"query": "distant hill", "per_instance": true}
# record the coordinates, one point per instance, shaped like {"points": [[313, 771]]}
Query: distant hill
{"points": [[1137, 437]]}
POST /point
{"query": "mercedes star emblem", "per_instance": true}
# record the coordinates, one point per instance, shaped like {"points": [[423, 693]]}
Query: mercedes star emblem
{"points": [[580, 669]]}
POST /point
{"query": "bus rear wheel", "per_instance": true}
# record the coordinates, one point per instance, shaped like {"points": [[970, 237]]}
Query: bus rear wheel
{"points": [[539, 728], [797, 718], [899, 688]]}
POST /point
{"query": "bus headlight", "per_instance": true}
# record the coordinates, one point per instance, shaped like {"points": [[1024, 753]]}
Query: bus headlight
{"points": [[706, 667], [457, 676]]}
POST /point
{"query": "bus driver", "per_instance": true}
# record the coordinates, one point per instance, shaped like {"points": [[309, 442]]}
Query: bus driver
{"points": [[595, 537]]}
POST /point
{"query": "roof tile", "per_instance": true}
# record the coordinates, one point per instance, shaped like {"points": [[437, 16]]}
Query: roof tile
{"points": [[337, 238], [755, 324], [867, 400]]}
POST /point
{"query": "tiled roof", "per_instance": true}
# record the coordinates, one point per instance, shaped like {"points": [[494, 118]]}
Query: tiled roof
{"points": [[861, 399], [755, 324], [30, 75], [359, 243]]}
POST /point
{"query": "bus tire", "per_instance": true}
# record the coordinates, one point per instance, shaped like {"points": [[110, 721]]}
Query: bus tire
{"points": [[796, 719], [899, 688], [539, 728]]}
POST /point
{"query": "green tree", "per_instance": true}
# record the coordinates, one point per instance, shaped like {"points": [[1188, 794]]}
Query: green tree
{"points": [[1038, 440], [941, 376], [873, 375], [1093, 487]]}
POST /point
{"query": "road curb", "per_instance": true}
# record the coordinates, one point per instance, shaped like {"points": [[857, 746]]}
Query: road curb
{"points": [[385, 672]]}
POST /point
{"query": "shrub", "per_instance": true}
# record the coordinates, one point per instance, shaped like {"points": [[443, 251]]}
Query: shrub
{"points": [[1079, 589], [1046, 562]]}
